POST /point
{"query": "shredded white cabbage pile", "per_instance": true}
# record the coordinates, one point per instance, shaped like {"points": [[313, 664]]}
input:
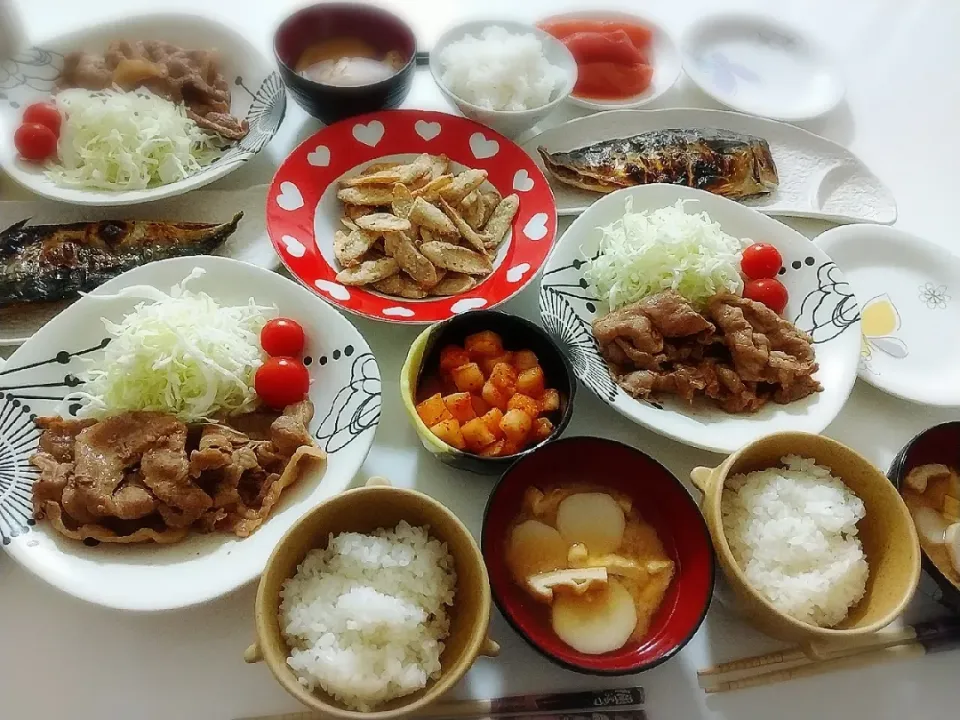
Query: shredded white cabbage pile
{"points": [[112, 140], [645, 253], [181, 353]]}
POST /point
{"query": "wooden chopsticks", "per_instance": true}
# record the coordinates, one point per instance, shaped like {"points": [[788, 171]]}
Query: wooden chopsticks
{"points": [[596, 714], [614, 704], [819, 658]]}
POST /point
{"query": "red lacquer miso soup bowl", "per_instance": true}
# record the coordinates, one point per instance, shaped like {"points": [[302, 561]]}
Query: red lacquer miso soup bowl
{"points": [[662, 502]]}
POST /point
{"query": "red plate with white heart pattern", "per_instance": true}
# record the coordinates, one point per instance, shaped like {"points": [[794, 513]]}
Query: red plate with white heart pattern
{"points": [[303, 210]]}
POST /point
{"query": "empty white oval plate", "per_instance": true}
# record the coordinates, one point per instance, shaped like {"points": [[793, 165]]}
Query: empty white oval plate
{"points": [[761, 67], [909, 293], [666, 59]]}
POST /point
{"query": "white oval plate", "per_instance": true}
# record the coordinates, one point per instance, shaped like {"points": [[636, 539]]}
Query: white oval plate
{"points": [[818, 178], [909, 292], [257, 95], [345, 389], [666, 60], [762, 67], [250, 243], [821, 303]]}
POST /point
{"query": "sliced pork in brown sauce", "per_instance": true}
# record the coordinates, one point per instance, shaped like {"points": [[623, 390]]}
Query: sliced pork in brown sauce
{"points": [[737, 353], [190, 77], [146, 476]]}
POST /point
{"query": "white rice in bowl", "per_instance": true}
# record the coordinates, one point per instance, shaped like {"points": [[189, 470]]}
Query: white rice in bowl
{"points": [[500, 70], [793, 532], [366, 617]]}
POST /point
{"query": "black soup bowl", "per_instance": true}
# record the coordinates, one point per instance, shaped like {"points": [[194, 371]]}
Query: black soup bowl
{"points": [[939, 445], [381, 30]]}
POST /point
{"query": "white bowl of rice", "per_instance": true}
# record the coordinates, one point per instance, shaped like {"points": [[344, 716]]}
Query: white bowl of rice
{"points": [[506, 75], [814, 541], [373, 605]]}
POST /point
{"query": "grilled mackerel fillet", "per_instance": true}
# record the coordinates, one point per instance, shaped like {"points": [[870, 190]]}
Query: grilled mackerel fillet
{"points": [[43, 263], [720, 161]]}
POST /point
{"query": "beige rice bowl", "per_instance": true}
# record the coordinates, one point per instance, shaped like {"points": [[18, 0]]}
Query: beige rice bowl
{"points": [[793, 532], [366, 617]]}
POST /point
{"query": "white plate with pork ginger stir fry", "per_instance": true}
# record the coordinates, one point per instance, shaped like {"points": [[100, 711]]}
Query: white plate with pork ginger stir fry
{"points": [[136, 110], [169, 428], [700, 318]]}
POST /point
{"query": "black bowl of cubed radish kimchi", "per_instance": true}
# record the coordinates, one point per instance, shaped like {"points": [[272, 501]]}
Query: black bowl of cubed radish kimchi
{"points": [[485, 388]]}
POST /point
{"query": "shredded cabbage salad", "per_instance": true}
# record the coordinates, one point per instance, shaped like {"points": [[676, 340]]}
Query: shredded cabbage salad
{"points": [[644, 253], [181, 353], [113, 140]]}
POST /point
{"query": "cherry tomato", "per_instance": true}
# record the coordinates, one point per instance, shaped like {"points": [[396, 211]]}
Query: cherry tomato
{"points": [[281, 381], [35, 142], [44, 114], [768, 291], [761, 260], [282, 337]]}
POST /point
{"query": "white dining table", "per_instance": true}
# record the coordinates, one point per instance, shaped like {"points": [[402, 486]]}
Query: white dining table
{"points": [[63, 658]]}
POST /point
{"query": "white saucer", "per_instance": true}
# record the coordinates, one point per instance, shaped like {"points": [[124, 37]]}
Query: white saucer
{"points": [[758, 66], [909, 295]]}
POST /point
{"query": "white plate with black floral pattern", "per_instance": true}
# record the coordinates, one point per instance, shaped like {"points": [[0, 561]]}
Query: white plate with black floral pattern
{"points": [[821, 303], [345, 389], [909, 290], [257, 94]]}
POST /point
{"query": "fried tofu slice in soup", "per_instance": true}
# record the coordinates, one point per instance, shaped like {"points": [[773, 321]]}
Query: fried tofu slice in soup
{"points": [[431, 217], [400, 247], [369, 271], [457, 258], [349, 248]]}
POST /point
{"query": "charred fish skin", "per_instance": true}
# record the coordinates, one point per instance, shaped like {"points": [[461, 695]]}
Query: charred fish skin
{"points": [[46, 263], [724, 162]]}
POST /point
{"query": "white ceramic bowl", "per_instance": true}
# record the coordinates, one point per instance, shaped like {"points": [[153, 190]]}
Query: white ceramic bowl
{"points": [[666, 59], [507, 122], [821, 303]]}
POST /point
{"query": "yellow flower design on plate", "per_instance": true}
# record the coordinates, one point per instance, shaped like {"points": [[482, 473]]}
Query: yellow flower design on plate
{"points": [[879, 321]]}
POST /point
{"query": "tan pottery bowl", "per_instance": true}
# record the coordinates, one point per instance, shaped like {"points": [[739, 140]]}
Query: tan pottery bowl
{"points": [[364, 510], [887, 533]]}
